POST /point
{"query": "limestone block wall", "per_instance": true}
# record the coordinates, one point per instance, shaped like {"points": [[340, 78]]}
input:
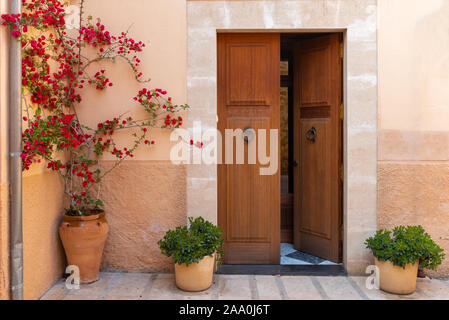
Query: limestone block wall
{"points": [[358, 20]]}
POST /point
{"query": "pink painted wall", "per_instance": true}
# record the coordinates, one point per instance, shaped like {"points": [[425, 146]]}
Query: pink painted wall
{"points": [[162, 26], [147, 195], [413, 171]]}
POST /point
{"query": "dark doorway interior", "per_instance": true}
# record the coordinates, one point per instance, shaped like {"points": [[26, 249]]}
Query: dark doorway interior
{"points": [[286, 136]]}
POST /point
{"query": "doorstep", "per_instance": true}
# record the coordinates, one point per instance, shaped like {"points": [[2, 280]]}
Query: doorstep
{"points": [[293, 270]]}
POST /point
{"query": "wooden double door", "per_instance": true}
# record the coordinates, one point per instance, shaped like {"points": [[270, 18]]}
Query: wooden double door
{"points": [[249, 97]]}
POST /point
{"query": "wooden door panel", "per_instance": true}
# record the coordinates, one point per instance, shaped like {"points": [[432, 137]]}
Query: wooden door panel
{"points": [[315, 160], [248, 96], [317, 99], [314, 93], [259, 253], [250, 212], [243, 87]]}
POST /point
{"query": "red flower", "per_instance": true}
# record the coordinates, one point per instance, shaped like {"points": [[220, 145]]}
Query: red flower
{"points": [[53, 76]]}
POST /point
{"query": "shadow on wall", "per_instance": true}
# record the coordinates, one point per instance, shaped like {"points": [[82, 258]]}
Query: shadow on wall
{"points": [[143, 199], [43, 257]]}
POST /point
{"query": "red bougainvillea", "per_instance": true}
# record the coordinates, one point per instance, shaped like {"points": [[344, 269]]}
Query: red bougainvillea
{"points": [[54, 74]]}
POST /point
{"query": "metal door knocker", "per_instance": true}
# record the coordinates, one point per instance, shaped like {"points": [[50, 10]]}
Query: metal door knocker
{"points": [[248, 134], [311, 134]]}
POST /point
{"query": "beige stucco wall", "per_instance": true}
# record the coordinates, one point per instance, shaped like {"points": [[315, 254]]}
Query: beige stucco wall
{"points": [[143, 200], [162, 26], [145, 196], [414, 116]]}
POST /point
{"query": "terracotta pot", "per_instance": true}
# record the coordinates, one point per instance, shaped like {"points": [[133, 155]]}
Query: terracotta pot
{"points": [[83, 239], [395, 279], [196, 276]]}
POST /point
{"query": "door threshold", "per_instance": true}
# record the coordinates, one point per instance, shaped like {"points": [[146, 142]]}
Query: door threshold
{"points": [[283, 270]]}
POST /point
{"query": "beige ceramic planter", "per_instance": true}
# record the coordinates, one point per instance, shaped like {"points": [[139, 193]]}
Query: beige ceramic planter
{"points": [[83, 239], [395, 279], [196, 276]]}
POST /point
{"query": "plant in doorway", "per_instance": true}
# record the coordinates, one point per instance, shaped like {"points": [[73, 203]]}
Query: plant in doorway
{"points": [[399, 252], [195, 250], [58, 65]]}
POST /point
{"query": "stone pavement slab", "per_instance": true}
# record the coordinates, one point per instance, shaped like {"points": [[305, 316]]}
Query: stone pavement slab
{"points": [[154, 286]]}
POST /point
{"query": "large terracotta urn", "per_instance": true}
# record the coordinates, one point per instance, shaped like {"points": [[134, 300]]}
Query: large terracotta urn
{"points": [[83, 238], [196, 276], [395, 279]]}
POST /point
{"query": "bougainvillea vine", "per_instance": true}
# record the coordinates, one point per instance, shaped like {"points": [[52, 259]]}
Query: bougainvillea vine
{"points": [[57, 66]]}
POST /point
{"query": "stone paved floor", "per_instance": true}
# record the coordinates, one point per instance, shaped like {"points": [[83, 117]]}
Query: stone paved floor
{"points": [[143, 286]]}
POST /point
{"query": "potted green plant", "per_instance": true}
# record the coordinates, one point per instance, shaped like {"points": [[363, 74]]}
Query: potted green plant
{"points": [[399, 252], [194, 250]]}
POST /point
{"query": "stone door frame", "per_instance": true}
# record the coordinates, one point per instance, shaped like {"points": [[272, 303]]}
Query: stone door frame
{"points": [[358, 21]]}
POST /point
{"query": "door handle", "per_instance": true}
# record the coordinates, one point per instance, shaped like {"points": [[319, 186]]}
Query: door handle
{"points": [[248, 134], [294, 163], [311, 134]]}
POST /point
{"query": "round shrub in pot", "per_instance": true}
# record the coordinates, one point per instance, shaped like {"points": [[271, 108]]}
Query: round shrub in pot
{"points": [[399, 252], [194, 250]]}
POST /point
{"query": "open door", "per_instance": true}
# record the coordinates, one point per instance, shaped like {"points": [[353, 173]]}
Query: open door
{"points": [[248, 97], [317, 146]]}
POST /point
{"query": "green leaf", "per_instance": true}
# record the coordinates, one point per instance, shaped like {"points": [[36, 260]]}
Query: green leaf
{"points": [[190, 244], [406, 244]]}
